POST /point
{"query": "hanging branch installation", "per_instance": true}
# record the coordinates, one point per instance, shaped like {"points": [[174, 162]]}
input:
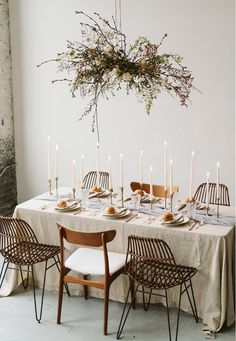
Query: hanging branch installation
{"points": [[103, 62]]}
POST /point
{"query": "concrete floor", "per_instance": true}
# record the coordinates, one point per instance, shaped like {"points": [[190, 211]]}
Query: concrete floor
{"points": [[83, 321]]}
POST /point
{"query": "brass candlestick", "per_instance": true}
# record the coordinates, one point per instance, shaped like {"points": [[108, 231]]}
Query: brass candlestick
{"points": [[122, 196], [73, 193], [151, 200], [165, 198], [218, 207], [56, 179], [50, 186], [111, 190], [171, 202]]}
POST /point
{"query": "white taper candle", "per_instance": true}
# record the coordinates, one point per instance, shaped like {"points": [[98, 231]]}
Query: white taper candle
{"points": [[151, 187], [49, 158], [121, 171], [98, 161], [81, 170], [110, 174], [141, 167], [207, 190], [218, 180], [56, 162], [191, 176], [165, 165], [73, 174], [171, 177]]}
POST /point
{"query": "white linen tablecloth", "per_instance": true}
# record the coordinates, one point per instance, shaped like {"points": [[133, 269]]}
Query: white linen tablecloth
{"points": [[209, 249]]}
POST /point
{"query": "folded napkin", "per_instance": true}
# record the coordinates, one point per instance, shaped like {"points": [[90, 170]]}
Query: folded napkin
{"points": [[224, 220]]}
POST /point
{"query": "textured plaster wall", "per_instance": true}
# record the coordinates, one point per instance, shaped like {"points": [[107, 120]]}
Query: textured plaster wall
{"points": [[7, 152]]}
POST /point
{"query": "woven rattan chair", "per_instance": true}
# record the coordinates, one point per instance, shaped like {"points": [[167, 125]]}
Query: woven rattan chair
{"points": [[88, 261], [150, 265], [90, 180], [158, 190], [20, 247], [201, 192]]}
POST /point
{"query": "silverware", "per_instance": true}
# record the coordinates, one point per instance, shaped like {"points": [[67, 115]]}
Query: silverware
{"points": [[194, 224], [131, 218], [80, 210], [200, 223]]}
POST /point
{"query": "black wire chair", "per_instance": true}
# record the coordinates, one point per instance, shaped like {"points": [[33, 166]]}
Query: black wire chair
{"points": [[150, 265], [20, 247], [90, 180], [201, 193]]}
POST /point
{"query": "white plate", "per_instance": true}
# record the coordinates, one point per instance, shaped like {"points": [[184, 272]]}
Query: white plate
{"points": [[116, 215], [71, 207], [176, 223]]}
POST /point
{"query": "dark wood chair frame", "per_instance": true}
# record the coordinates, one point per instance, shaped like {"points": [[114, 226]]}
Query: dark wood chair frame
{"points": [[151, 266], [158, 190], [201, 193], [19, 246], [90, 239], [90, 180]]}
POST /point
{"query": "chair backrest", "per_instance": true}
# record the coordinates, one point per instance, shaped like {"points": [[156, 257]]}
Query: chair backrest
{"points": [[158, 190], [93, 239], [201, 193], [142, 254], [90, 180], [14, 231]]}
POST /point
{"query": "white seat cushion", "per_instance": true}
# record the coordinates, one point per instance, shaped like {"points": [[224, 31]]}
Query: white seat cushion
{"points": [[91, 261]]}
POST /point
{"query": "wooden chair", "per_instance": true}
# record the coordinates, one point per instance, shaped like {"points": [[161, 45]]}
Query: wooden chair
{"points": [[151, 265], [158, 190], [90, 180], [19, 246], [90, 261], [201, 192]]}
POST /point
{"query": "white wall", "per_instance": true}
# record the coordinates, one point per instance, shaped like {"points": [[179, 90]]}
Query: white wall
{"points": [[201, 31]]}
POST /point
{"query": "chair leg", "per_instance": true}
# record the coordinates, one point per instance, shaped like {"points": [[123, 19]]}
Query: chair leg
{"points": [[57, 261], [146, 305], [106, 305], [85, 277], [38, 317], [25, 286], [123, 315], [60, 297], [177, 326], [194, 303], [3, 271], [132, 293], [168, 314]]}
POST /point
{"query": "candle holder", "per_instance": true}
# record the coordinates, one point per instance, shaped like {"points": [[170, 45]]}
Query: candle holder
{"points": [[165, 198], [171, 202], [73, 192], [207, 210], [56, 179], [218, 207], [151, 201], [122, 196], [111, 190], [50, 186]]}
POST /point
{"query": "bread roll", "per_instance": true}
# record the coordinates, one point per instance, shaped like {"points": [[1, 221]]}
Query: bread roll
{"points": [[96, 189], [62, 203], [167, 216], [139, 191], [190, 200], [110, 210]]}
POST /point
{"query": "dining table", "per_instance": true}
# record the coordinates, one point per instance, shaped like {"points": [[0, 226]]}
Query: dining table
{"points": [[207, 246]]}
